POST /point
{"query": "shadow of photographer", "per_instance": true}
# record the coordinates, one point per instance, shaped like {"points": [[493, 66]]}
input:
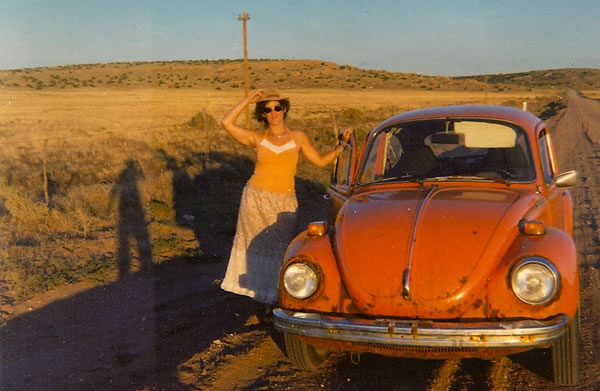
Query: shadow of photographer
{"points": [[132, 222]]}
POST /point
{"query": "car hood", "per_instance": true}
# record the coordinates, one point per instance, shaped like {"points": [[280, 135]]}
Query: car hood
{"points": [[429, 250]]}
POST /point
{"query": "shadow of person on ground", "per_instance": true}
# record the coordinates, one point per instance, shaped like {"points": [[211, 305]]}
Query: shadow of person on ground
{"points": [[132, 222]]}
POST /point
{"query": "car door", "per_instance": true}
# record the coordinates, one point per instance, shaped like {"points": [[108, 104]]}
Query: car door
{"points": [[340, 187]]}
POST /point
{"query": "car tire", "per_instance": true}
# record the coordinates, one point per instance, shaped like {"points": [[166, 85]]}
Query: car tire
{"points": [[565, 362], [303, 355]]}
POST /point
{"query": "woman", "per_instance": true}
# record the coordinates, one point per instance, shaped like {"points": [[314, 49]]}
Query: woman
{"points": [[267, 215]]}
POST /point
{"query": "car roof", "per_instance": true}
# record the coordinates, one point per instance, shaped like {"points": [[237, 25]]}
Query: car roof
{"points": [[524, 118]]}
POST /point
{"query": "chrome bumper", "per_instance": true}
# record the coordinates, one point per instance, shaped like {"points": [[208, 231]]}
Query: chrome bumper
{"points": [[422, 333]]}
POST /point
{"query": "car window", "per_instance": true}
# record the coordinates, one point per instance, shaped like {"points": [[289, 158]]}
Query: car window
{"points": [[465, 149], [341, 177], [372, 171]]}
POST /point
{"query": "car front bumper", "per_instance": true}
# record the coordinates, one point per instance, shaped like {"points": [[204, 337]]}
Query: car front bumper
{"points": [[515, 334]]}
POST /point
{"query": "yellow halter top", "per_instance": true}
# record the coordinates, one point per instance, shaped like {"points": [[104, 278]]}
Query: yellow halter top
{"points": [[275, 167]]}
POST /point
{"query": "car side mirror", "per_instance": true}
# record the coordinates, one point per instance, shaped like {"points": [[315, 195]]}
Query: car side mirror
{"points": [[566, 179]]}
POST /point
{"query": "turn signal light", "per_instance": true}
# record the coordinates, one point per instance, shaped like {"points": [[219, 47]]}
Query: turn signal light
{"points": [[317, 228], [532, 227]]}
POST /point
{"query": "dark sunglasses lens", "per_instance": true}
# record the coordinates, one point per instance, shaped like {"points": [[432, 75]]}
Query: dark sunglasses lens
{"points": [[267, 110]]}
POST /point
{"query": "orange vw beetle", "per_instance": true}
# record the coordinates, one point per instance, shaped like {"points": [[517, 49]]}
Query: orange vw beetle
{"points": [[450, 235]]}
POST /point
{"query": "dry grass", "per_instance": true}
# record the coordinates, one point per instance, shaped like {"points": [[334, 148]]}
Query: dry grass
{"points": [[592, 94], [38, 115], [319, 103]]}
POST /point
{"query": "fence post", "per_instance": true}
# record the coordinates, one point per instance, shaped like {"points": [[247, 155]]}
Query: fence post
{"points": [[45, 173], [334, 124], [207, 135]]}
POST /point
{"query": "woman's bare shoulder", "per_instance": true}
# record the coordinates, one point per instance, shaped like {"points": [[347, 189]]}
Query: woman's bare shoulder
{"points": [[256, 137], [298, 136], [296, 133]]}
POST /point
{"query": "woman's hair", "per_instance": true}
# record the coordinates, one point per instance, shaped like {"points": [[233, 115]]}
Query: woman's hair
{"points": [[260, 107]]}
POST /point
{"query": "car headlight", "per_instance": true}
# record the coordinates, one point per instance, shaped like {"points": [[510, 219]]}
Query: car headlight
{"points": [[300, 280], [535, 281]]}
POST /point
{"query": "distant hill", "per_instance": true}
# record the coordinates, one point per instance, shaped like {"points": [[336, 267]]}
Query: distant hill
{"points": [[227, 74], [576, 78]]}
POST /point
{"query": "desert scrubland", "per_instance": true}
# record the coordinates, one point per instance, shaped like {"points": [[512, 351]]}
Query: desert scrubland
{"points": [[64, 149], [118, 201]]}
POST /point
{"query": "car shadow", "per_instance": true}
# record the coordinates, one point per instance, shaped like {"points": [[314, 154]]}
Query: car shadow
{"points": [[537, 361]]}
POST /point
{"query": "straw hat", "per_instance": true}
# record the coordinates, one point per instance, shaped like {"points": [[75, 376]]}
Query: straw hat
{"points": [[271, 94]]}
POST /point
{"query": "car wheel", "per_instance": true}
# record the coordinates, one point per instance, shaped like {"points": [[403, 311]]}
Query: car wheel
{"points": [[565, 363], [303, 355]]}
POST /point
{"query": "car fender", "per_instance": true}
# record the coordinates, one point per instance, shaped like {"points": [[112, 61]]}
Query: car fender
{"points": [[557, 247], [331, 296]]}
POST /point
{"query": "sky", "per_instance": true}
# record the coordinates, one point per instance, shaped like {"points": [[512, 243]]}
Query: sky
{"points": [[429, 37]]}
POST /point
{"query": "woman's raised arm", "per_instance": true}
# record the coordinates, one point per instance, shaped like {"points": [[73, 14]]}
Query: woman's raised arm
{"points": [[243, 135]]}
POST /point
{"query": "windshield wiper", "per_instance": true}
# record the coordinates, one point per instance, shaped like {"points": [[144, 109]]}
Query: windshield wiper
{"points": [[405, 178], [507, 182]]}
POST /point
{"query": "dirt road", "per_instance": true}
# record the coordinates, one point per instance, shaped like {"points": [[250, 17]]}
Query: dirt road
{"points": [[176, 330]]}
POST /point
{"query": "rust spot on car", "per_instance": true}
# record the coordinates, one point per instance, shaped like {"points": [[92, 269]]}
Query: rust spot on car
{"points": [[463, 280], [351, 308], [475, 338], [451, 309], [528, 338], [475, 232], [487, 310], [478, 303], [414, 330]]}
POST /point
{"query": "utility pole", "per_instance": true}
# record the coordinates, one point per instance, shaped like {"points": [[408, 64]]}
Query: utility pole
{"points": [[245, 17]]}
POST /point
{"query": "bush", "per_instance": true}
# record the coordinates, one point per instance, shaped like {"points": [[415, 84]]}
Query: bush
{"points": [[197, 120], [352, 115]]}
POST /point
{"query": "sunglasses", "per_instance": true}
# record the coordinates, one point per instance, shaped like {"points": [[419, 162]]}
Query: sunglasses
{"points": [[267, 110]]}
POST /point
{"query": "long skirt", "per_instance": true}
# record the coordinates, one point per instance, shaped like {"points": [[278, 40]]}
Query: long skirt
{"points": [[266, 225]]}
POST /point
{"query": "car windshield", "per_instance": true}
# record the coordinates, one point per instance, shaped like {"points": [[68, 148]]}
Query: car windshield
{"points": [[448, 150]]}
